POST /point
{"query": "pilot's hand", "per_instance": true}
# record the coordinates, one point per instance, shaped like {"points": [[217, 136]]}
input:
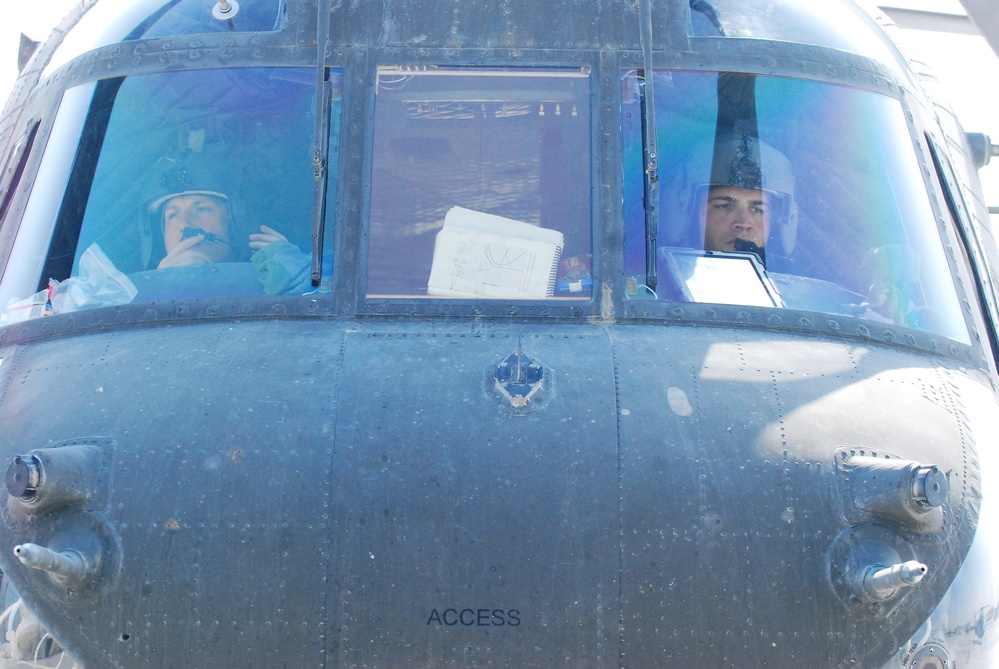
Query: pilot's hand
{"points": [[184, 253], [266, 236]]}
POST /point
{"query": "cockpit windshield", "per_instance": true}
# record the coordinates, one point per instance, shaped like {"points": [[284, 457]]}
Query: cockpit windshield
{"points": [[784, 193], [773, 192], [186, 184]]}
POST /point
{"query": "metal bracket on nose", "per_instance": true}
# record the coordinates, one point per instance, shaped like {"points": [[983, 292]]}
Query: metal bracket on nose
{"points": [[909, 495], [872, 569], [519, 383], [24, 475], [68, 567], [878, 583], [48, 479], [54, 498]]}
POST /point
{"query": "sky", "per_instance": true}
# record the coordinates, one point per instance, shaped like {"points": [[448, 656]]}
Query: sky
{"points": [[34, 19], [968, 70], [966, 67]]}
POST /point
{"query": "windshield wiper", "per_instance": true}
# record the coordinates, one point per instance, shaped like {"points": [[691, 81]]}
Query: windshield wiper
{"points": [[650, 152], [320, 142]]}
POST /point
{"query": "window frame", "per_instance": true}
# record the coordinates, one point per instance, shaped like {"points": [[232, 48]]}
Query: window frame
{"points": [[419, 305], [79, 153], [799, 320]]}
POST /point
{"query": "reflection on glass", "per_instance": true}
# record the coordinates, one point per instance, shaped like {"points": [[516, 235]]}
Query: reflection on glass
{"points": [[820, 182], [481, 180]]}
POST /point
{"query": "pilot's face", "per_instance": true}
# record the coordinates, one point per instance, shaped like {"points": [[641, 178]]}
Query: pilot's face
{"points": [[735, 213], [202, 212]]}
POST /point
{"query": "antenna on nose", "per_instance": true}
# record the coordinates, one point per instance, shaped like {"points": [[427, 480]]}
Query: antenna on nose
{"points": [[224, 10]]}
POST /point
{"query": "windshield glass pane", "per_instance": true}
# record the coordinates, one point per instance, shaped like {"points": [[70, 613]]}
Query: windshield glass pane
{"points": [[185, 185], [788, 193], [480, 184]]}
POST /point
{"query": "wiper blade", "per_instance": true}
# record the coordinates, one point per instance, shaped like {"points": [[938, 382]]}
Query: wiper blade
{"points": [[320, 142], [650, 151]]}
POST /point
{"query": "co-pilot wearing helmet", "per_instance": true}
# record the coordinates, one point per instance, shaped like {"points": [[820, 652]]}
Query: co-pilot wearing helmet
{"points": [[751, 189], [197, 229], [736, 216]]}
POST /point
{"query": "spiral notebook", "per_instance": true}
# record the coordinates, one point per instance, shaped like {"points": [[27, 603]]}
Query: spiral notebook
{"points": [[484, 255]]}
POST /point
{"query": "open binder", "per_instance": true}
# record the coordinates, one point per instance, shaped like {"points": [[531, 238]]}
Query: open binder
{"points": [[483, 255]]}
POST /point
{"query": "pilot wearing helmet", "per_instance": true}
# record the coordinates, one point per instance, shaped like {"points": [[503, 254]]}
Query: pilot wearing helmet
{"points": [[733, 195], [197, 228], [749, 197], [196, 222]]}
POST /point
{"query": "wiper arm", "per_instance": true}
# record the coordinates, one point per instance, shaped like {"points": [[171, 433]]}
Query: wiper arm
{"points": [[650, 151], [320, 142]]}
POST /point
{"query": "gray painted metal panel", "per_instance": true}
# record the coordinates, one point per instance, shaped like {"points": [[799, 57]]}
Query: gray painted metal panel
{"points": [[223, 471], [461, 530], [738, 475]]}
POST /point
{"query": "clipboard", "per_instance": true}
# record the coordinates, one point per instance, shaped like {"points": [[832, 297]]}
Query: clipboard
{"points": [[720, 277]]}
